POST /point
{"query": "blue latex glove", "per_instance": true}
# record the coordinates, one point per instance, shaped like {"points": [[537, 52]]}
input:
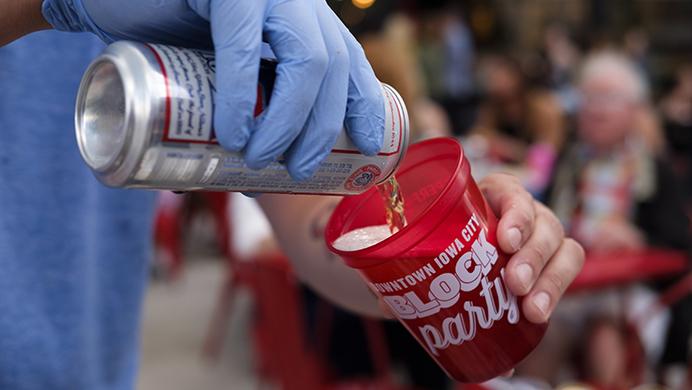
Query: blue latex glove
{"points": [[323, 78]]}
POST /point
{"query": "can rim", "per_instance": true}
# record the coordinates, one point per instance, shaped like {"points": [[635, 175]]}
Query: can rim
{"points": [[80, 112], [405, 133]]}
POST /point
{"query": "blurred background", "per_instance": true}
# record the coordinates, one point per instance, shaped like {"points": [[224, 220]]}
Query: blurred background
{"points": [[588, 102]]}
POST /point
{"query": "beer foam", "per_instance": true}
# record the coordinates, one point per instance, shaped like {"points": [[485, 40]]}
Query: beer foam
{"points": [[362, 238]]}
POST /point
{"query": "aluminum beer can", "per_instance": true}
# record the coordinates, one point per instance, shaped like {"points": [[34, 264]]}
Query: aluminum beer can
{"points": [[144, 119]]}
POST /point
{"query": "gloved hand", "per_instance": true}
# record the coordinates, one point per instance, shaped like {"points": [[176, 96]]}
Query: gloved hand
{"points": [[323, 78]]}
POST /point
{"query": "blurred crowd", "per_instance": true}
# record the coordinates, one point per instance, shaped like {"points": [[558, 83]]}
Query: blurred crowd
{"points": [[594, 128]]}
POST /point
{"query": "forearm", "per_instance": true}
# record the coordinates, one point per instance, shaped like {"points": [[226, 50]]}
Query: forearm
{"points": [[18, 18], [298, 223]]}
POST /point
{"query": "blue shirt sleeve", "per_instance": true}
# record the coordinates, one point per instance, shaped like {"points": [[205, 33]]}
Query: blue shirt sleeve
{"points": [[73, 254]]}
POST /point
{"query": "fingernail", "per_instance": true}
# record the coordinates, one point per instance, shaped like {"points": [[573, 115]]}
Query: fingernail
{"points": [[369, 143], [514, 236], [302, 174], [256, 164], [542, 302], [234, 143], [524, 274], [372, 149]]}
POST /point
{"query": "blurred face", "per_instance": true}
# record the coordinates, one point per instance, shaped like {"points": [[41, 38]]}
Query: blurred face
{"points": [[607, 112], [606, 357], [685, 81], [501, 80]]}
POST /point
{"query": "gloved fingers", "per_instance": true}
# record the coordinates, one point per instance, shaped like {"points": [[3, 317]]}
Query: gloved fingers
{"points": [[237, 33], [365, 109], [171, 22], [326, 119], [292, 31]]}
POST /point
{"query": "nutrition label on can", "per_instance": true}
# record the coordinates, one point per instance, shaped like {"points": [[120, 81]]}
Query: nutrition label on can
{"points": [[331, 175], [189, 78]]}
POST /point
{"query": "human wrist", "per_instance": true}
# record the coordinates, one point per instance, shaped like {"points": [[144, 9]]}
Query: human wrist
{"points": [[19, 18]]}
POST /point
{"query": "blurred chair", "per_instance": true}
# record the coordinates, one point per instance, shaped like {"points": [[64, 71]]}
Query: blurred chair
{"points": [[168, 257], [622, 268], [282, 352], [173, 214]]}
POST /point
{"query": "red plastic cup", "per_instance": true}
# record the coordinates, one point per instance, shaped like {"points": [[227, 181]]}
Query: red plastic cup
{"points": [[442, 275]]}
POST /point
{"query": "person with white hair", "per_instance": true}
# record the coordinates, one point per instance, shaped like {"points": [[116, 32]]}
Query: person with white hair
{"points": [[608, 188], [613, 194]]}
